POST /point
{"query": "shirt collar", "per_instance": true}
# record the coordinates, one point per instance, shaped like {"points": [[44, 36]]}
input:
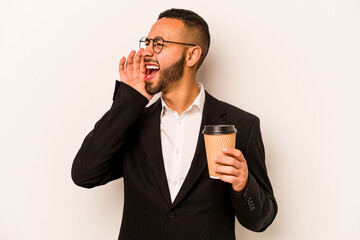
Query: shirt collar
{"points": [[198, 102]]}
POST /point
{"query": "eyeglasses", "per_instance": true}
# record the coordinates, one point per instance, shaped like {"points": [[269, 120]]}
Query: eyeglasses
{"points": [[158, 43]]}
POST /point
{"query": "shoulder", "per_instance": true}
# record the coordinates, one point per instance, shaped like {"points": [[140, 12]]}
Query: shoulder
{"points": [[233, 113], [246, 123]]}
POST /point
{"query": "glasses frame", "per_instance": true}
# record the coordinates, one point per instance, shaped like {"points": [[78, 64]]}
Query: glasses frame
{"points": [[144, 39]]}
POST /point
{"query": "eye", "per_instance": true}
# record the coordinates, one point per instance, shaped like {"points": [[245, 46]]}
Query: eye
{"points": [[158, 44], [147, 42]]}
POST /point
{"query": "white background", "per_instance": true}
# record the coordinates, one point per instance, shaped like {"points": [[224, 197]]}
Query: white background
{"points": [[295, 64]]}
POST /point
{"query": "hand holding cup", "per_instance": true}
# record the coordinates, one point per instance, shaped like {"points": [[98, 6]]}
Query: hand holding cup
{"points": [[224, 161]]}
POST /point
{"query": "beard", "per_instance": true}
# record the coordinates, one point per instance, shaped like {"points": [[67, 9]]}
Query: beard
{"points": [[166, 77]]}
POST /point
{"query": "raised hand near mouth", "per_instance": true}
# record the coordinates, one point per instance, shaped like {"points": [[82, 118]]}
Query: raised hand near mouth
{"points": [[133, 73]]}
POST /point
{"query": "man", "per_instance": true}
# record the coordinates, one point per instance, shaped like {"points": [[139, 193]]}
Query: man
{"points": [[159, 150]]}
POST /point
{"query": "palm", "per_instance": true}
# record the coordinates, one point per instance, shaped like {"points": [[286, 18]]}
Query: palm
{"points": [[134, 72]]}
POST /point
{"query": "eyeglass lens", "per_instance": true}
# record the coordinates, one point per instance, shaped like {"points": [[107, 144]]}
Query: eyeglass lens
{"points": [[158, 43]]}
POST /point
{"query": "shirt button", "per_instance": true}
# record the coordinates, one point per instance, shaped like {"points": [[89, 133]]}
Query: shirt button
{"points": [[175, 183], [177, 151], [180, 122], [171, 215]]}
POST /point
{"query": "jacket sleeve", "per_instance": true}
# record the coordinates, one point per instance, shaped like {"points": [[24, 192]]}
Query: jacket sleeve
{"points": [[99, 160], [255, 207]]}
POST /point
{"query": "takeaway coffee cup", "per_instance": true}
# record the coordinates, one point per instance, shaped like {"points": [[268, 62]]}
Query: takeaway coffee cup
{"points": [[216, 138]]}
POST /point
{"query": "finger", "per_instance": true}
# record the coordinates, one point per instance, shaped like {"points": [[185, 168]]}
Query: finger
{"points": [[236, 153], [142, 66], [137, 60], [228, 161], [228, 178], [121, 66], [129, 62], [227, 170]]}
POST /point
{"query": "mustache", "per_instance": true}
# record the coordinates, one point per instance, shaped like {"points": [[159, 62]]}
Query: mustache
{"points": [[149, 60]]}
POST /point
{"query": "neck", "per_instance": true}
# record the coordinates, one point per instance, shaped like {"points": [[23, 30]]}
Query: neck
{"points": [[181, 94]]}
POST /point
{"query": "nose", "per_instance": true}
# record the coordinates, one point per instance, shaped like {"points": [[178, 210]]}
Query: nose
{"points": [[147, 53]]}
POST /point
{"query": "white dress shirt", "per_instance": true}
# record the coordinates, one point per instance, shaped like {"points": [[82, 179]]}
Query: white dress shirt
{"points": [[179, 136]]}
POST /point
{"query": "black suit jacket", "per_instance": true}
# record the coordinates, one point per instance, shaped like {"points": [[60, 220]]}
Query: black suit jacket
{"points": [[126, 143]]}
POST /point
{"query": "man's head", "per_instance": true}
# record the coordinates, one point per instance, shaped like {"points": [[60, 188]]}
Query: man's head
{"points": [[196, 29], [184, 43]]}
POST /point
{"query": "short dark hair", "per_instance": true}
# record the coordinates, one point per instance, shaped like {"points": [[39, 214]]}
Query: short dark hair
{"points": [[193, 22]]}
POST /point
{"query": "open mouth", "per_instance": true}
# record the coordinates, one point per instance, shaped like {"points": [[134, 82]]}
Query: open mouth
{"points": [[151, 71]]}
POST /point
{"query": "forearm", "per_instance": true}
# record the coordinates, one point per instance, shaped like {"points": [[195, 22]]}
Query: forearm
{"points": [[255, 209], [255, 206], [97, 161]]}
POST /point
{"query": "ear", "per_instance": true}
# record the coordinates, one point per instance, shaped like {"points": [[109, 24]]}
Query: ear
{"points": [[193, 55]]}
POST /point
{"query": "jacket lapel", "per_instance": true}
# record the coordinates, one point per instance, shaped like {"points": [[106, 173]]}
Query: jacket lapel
{"points": [[213, 113], [150, 134]]}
